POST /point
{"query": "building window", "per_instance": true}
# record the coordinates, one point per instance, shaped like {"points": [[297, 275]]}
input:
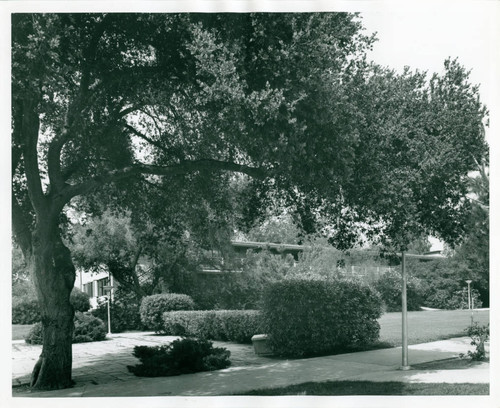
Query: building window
{"points": [[100, 286], [88, 288]]}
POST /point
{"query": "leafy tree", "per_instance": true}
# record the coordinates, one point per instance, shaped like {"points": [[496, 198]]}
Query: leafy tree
{"points": [[172, 100]]}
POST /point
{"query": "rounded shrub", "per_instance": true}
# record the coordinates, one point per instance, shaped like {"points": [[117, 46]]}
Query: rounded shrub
{"points": [[79, 300], [87, 328], [390, 285], [317, 316], [35, 335], [153, 307]]}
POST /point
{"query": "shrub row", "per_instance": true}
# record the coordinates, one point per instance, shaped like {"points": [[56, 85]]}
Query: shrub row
{"points": [[87, 328], [180, 357], [311, 317], [27, 310], [153, 307], [225, 325]]}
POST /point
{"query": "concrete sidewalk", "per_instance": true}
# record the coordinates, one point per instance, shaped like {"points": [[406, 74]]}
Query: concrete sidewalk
{"points": [[106, 375]]}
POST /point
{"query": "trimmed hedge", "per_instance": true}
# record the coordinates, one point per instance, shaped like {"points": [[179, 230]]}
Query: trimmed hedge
{"points": [[153, 307], [311, 317], [87, 328], [226, 325], [182, 356]]}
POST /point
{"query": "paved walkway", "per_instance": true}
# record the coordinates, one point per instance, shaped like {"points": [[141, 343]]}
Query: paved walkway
{"points": [[99, 369]]}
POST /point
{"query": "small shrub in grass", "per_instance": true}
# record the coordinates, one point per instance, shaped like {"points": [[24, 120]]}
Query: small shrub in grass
{"points": [[317, 316], [479, 335], [87, 328], [180, 357], [153, 307], [226, 325]]}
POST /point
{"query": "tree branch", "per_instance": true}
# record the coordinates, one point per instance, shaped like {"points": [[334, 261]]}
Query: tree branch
{"points": [[20, 228], [185, 167], [30, 129]]}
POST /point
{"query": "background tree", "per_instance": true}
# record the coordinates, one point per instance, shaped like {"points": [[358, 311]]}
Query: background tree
{"points": [[162, 99]]}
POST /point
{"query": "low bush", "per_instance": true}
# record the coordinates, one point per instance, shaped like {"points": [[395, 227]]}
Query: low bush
{"points": [[124, 312], [87, 328], [226, 325], [35, 335], [318, 316], [390, 285], [180, 357], [479, 335], [152, 308]]}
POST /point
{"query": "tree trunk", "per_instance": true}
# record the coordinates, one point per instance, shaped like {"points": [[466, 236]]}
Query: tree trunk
{"points": [[54, 276]]}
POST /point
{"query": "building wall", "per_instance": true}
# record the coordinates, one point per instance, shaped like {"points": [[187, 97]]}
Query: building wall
{"points": [[92, 284]]}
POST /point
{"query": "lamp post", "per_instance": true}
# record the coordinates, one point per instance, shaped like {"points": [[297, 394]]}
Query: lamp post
{"points": [[404, 316], [404, 309], [108, 289], [469, 297]]}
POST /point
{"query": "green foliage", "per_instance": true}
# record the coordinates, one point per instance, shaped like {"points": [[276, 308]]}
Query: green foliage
{"points": [[442, 283], [479, 335], [152, 308], [309, 317], [390, 284], [26, 309], [125, 314], [180, 357], [87, 328], [79, 300], [225, 325]]}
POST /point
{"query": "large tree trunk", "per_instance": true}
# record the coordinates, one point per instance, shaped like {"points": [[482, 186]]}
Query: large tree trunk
{"points": [[54, 276]]}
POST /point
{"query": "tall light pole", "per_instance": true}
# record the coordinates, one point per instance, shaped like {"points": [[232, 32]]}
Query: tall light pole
{"points": [[404, 311], [404, 308], [469, 296], [468, 290], [108, 289]]}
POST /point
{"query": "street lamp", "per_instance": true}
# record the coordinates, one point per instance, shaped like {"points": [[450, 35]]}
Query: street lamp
{"points": [[404, 308], [108, 289], [468, 281]]}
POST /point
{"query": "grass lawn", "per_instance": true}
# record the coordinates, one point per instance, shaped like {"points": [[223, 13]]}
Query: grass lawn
{"points": [[375, 388], [20, 330], [429, 326]]}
